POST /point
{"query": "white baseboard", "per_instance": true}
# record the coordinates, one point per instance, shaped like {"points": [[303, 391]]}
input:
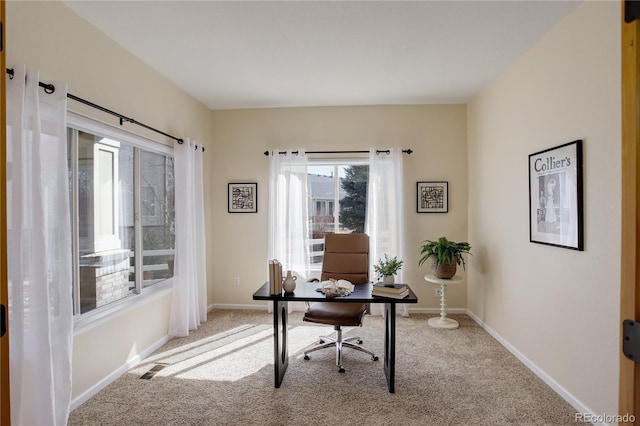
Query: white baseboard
{"points": [[437, 311], [85, 396], [240, 307], [566, 395]]}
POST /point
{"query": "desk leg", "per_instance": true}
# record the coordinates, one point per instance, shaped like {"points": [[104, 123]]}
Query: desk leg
{"points": [[390, 345], [280, 352]]}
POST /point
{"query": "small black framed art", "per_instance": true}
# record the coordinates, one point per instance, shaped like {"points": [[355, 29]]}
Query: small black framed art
{"points": [[243, 197], [432, 197]]}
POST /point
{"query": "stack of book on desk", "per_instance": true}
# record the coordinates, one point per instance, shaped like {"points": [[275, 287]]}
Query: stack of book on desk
{"points": [[275, 277], [397, 291]]}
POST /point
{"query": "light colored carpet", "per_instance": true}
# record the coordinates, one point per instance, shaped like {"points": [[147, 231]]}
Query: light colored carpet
{"points": [[222, 374]]}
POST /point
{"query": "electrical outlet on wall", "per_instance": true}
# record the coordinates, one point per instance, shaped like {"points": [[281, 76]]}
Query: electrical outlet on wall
{"points": [[438, 292], [236, 280]]}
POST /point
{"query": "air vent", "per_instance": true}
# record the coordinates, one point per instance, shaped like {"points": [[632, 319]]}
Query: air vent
{"points": [[153, 370]]}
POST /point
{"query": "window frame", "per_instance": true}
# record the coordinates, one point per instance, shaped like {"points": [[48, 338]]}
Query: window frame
{"points": [[141, 294], [331, 161]]}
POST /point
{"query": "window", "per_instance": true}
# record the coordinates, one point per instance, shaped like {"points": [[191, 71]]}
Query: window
{"points": [[158, 217], [122, 204], [338, 197]]}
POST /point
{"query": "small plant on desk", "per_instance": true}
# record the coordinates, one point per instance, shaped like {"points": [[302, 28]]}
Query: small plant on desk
{"points": [[387, 267]]}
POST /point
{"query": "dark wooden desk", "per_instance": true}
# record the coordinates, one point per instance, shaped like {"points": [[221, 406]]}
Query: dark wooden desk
{"points": [[305, 292]]}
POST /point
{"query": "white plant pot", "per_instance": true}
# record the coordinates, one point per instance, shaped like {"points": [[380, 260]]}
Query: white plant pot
{"points": [[388, 279]]}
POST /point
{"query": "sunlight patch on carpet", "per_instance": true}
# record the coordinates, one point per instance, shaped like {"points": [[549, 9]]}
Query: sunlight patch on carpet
{"points": [[232, 355]]}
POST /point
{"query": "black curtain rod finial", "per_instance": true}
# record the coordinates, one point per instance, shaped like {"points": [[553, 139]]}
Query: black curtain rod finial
{"points": [[48, 88]]}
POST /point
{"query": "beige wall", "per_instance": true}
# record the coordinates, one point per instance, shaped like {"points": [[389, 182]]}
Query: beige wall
{"points": [[238, 246], [558, 307], [50, 37]]}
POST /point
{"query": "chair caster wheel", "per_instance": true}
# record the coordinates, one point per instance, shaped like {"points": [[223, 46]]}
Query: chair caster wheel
{"points": [[307, 357], [341, 369], [374, 358], [359, 341]]}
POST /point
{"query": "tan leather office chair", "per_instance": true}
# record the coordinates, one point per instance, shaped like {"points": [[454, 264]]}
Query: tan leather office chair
{"points": [[346, 256]]}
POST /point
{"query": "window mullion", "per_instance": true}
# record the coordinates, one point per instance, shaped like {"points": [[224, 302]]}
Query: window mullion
{"points": [[137, 209], [336, 199], [75, 232]]}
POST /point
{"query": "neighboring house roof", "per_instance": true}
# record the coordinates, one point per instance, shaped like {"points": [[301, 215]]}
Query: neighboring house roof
{"points": [[322, 187]]}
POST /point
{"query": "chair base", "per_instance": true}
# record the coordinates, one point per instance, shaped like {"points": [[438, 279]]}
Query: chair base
{"points": [[339, 343]]}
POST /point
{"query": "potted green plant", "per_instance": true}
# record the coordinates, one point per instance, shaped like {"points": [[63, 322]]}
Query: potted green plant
{"points": [[445, 254], [386, 268]]}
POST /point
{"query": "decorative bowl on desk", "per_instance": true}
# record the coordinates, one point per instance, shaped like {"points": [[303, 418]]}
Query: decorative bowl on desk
{"points": [[334, 288], [332, 292]]}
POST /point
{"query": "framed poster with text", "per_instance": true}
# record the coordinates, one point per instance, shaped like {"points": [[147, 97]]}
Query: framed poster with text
{"points": [[555, 196]]}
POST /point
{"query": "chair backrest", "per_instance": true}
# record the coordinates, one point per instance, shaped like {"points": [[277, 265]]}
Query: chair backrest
{"points": [[346, 256]]}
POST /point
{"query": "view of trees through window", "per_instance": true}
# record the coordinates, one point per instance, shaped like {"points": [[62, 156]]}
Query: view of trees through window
{"points": [[353, 206]]}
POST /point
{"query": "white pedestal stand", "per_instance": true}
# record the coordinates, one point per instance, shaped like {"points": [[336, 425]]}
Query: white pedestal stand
{"points": [[442, 321]]}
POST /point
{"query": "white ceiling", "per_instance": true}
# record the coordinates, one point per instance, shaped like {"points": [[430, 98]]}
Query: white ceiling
{"points": [[258, 54]]}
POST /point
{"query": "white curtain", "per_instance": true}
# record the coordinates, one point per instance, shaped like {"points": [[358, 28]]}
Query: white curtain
{"points": [[385, 216], [39, 255], [189, 305], [288, 222]]}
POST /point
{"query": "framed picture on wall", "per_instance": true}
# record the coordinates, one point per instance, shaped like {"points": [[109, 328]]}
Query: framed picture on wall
{"points": [[243, 197], [432, 197], [555, 196]]}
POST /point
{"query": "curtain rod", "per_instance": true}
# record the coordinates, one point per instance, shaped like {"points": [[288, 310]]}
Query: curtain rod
{"points": [[50, 88], [378, 151]]}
